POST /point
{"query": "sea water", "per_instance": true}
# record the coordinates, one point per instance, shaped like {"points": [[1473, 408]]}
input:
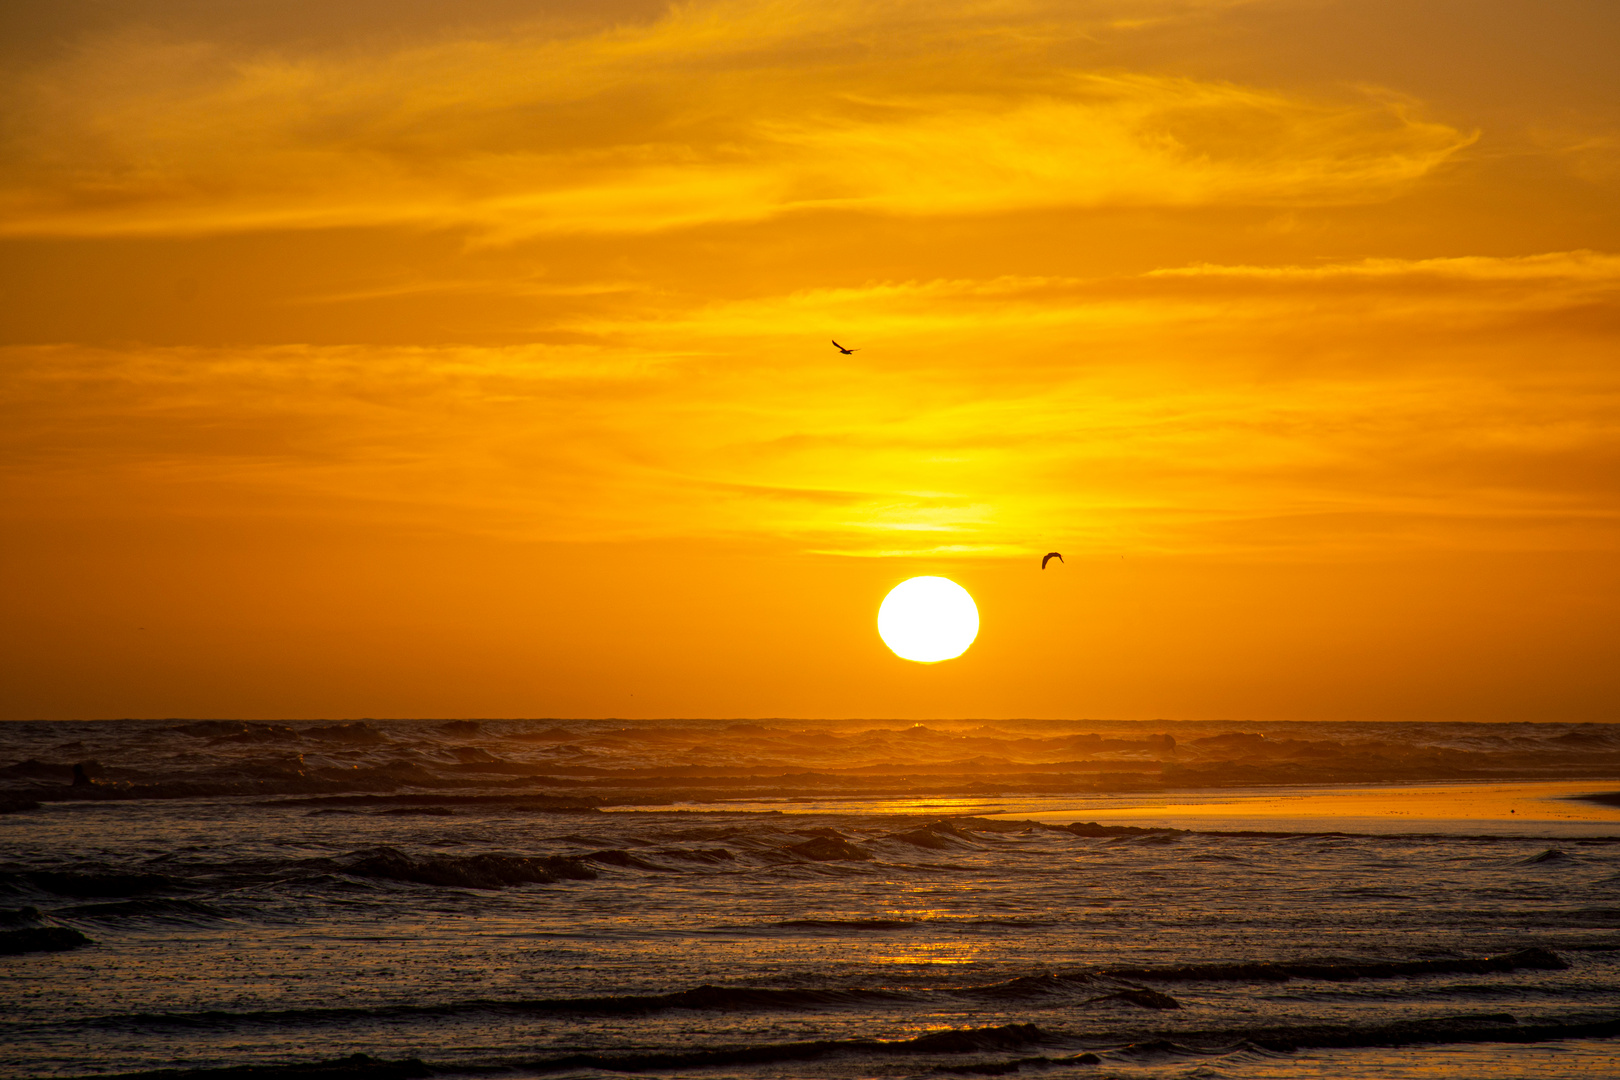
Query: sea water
{"points": [[590, 907]]}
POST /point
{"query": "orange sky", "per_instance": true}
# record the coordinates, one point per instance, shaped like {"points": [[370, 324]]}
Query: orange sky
{"points": [[424, 358]]}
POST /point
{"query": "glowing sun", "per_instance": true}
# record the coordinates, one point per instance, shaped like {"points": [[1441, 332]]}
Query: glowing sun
{"points": [[928, 619]]}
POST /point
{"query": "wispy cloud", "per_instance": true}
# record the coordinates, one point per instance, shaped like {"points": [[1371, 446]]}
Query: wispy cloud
{"points": [[717, 112]]}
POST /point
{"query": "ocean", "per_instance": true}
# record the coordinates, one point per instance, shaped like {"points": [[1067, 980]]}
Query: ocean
{"points": [[790, 898]]}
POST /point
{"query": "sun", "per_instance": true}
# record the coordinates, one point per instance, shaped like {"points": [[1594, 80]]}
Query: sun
{"points": [[928, 619]]}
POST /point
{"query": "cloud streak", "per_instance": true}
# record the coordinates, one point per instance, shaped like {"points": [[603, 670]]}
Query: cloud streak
{"points": [[1134, 413]]}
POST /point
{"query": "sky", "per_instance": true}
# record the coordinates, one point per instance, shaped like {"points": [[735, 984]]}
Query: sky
{"points": [[431, 358]]}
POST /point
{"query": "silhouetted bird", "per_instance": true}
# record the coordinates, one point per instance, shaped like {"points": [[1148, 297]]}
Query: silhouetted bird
{"points": [[1048, 557], [843, 350]]}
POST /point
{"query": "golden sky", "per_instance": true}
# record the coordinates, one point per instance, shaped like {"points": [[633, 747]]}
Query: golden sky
{"points": [[431, 358]]}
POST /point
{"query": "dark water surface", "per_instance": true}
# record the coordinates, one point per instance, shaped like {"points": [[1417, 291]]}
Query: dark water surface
{"points": [[262, 895]]}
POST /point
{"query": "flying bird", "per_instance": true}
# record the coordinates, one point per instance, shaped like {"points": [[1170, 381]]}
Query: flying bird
{"points": [[1048, 557], [843, 350]]}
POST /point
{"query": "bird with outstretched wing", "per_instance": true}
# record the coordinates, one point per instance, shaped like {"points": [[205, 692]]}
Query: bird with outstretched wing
{"points": [[1048, 557], [843, 350]]}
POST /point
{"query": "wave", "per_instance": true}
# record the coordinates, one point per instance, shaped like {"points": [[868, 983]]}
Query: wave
{"points": [[1481, 1028], [621, 858], [365, 1067], [1343, 971], [830, 849], [1548, 856], [1478, 1028], [358, 733], [1002, 1068], [1091, 828], [199, 789], [1332, 971], [1144, 999], [769, 999], [697, 855], [847, 924], [237, 731], [701, 998], [73, 883], [466, 871], [1594, 918], [959, 1041], [353, 1067], [718, 998], [935, 837], [1026, 986], [40, 939], [1488, 1028], [142, 909]]}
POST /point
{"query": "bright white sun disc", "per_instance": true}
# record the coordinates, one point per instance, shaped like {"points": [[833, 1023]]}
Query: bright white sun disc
{"points": [[928, 619]]}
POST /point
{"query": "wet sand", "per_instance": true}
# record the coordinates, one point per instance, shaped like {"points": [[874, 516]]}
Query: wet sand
{"points": [[1528, 808], [1545, 809]]}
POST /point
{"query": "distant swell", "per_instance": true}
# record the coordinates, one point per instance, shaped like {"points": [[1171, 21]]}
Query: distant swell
{"points": [[554, 803]]}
